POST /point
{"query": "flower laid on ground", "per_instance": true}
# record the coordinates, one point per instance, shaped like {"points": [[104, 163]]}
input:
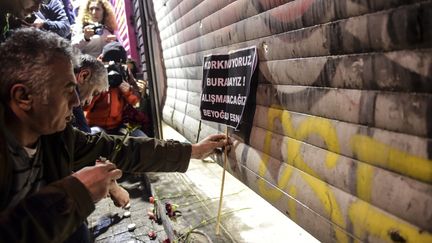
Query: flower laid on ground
{"points": [[152, 235]]}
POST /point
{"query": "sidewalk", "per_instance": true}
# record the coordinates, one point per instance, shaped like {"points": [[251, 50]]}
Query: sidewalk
{"points": [[246, 217]]}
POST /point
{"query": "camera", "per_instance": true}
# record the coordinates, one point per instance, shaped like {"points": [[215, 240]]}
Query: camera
{"points": [[30, 19], [116, 74], [98, 29]]}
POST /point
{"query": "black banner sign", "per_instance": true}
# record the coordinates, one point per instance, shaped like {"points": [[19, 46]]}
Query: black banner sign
{"points": [[226, 86]]}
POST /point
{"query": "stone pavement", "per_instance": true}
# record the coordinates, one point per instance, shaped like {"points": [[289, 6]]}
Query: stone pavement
{"points": [[108, 223], [246, 217]]}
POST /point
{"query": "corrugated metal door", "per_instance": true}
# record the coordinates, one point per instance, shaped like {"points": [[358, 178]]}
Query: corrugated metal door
{"points": [[341, 137]]}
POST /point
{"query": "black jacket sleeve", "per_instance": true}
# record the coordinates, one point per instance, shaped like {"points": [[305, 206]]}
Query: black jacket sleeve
{"points": [[50, 215], [135, 154]]}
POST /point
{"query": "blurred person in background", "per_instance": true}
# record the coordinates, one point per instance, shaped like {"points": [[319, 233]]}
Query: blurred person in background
{"points": [[12, 13], [76, 5], [52, 17], [48, 15], [106, 110], [140, 116], [69, 11], [95, 27], [92, 79], [132, 67]]}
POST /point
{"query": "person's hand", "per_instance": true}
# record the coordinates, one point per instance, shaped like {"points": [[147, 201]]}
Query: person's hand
{"points": [[124, 86], [88, 32], [38, 23], [208, 145], [98, 179], [119, 195], [110, 38]]}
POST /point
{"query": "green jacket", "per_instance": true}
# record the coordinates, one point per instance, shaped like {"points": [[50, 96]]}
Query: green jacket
{"points": [[55, 211]]}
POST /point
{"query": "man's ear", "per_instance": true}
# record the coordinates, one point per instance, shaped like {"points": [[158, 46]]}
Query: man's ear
{"points": [[21, 96], [83, 76]]}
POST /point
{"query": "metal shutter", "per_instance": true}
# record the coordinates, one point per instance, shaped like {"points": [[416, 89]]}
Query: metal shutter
{"points": [[341, 137]]}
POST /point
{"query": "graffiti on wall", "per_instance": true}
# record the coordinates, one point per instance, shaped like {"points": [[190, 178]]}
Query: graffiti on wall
{"points": [[317, 57], [361, 215]]}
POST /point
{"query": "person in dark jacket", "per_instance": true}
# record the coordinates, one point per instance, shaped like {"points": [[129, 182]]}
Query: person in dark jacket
{"points": [[52, 17], [49, 179], [15, 11], [69, 11]]}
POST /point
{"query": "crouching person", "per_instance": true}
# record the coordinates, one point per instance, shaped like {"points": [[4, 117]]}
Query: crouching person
{"points": [[49, 179], [92, 80]]}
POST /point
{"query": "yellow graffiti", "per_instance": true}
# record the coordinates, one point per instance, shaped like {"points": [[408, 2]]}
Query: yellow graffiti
{"points": [[269, 193], [292, 204], [295, 159], [366, 219], [364, 181], [382, 155], [325, 130], [382, 225], [331, 206]]}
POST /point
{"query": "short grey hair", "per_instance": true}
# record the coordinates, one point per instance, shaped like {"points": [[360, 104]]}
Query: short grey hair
{"points": [[99, 75], [25, 56]]}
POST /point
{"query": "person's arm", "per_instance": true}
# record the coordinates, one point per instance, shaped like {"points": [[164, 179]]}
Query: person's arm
{"points": [[128, 94], [56, 19], [54, 212], [81, 36], [136, 154], [143, 154], [208, 145], [85, 39], [50, 215]]}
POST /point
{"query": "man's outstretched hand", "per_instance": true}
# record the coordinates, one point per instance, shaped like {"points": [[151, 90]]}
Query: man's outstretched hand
{"points": [[208, 145]]}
